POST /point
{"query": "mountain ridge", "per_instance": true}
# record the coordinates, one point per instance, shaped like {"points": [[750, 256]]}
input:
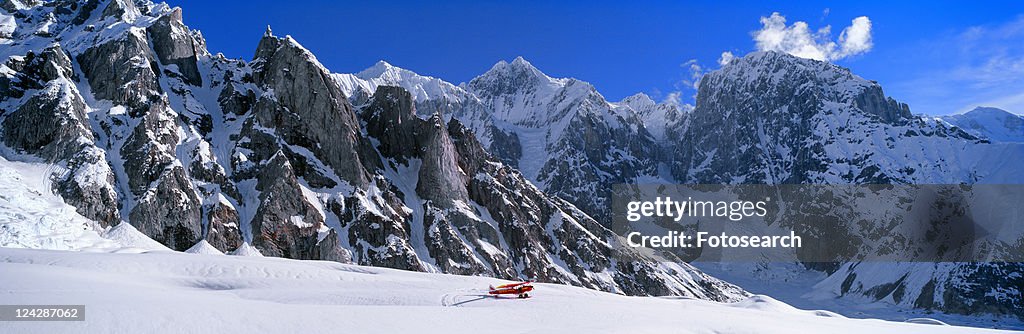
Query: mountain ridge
{"points": [[271, 156], [991, 123], [816, 123]]}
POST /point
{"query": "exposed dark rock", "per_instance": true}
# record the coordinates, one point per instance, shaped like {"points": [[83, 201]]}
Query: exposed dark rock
{"points": [[873, 101], [121, 9], [89, 187], [285, 223], [330, 249], [123, 71], [203, 168], [85, 12], [50, 124], [391, 119], [310, 109], [506, 146], [236, 102], [13, 5], [471, 153], [445, 228], [174, 45], [440, 180], [385, 239], [150, 148], [222, 227], [34, 71], [170, 211]]}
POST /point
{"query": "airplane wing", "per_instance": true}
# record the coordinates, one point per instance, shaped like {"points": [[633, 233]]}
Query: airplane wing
{"points": [[512, 285]]}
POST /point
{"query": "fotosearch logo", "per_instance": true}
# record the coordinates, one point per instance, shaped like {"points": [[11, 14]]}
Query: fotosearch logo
{"points": [[676, 239]]}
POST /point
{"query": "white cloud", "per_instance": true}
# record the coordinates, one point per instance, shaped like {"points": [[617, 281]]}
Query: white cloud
{"points": [[800, 41], [856, 38], [959, 70], [696, 72], [690, 81], [674, 98], [725, 58]]}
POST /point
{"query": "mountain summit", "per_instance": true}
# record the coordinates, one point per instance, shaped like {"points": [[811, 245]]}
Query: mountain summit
{"points": [[991, 123]]}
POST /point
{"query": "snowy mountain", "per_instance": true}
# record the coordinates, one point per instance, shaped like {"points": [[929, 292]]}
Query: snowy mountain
{"points": [[422, 88], [771, 118], [560, 132], [764, 118], [655, 116], [32, 216], [991, 123], [120, 129], [148, 133]]}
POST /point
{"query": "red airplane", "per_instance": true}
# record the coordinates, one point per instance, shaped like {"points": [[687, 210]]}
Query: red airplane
{"points": [[520, 289]]}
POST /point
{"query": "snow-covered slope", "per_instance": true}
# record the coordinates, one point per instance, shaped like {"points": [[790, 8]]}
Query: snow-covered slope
{"points": [[656, 116], [246, 250], [204, 247], [992, 123], [32, 216], [193, 293], [382, 73]]}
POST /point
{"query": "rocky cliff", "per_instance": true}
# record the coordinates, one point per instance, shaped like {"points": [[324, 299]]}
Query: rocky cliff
{"points": [[148, 128]]}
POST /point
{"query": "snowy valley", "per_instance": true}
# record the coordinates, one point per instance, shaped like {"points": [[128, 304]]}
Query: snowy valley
{"points": [[201, 293], [165, 186]]}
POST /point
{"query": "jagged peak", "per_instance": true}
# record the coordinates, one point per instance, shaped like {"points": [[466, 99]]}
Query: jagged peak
{"points": [[270, 43], [520, 61], [780, 60], [122, 9], [280, 158], [763, 72], [640, 97], [422, 87], [778, 66], [518, 66], [395, 100], [383, 64], [380, 69], [638, 101], [505, 77], [176, 14]]}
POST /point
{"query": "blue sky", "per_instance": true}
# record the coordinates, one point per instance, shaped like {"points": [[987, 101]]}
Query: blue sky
{"points": [[941, 58]]}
